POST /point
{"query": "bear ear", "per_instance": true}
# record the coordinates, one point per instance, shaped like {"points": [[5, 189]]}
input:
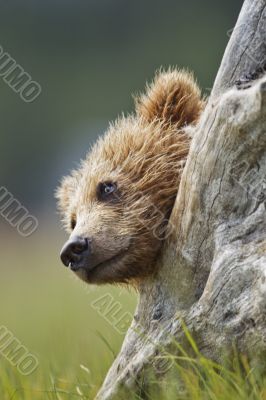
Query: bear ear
{"points": [[173, 98]]}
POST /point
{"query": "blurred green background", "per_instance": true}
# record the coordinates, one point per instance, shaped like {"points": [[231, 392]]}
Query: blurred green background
{"points": [[88, 57]]}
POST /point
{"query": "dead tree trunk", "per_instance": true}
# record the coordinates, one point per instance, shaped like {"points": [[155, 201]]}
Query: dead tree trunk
{"points": [[212, 271]]}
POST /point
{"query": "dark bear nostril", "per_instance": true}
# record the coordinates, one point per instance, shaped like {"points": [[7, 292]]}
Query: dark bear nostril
{"points": [[73, 250]]}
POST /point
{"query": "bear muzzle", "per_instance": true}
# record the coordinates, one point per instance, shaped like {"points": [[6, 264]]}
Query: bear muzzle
{"points": [[75, 252]]}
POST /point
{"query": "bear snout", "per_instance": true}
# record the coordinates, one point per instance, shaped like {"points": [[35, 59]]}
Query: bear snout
{"points": [[75, 251]]}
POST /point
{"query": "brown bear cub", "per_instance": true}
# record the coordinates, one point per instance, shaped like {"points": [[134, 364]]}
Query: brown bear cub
{"points": [[117, 204]]}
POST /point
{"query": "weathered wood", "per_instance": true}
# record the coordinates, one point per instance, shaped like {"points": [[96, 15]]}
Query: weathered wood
{"points": [[212, 268], [246, 49]]}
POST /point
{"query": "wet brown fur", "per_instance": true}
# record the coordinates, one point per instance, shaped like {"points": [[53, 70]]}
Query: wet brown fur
{"points": [[144, 155]]}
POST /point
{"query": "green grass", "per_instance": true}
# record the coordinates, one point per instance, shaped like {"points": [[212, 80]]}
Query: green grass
{"points": [[201, 379], [193, 376], [51, 313]]}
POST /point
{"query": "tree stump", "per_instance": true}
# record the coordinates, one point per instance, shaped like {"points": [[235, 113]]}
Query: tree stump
{"points": [[212, 269]]}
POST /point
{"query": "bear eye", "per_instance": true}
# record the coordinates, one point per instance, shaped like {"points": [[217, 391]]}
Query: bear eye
{"points": [[106, 191]]}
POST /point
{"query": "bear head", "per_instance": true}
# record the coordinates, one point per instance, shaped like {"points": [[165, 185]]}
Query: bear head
{"points": [[116, 205]]}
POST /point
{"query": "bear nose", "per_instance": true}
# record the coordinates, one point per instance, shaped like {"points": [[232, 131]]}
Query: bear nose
{"points": [[73, 251]]}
